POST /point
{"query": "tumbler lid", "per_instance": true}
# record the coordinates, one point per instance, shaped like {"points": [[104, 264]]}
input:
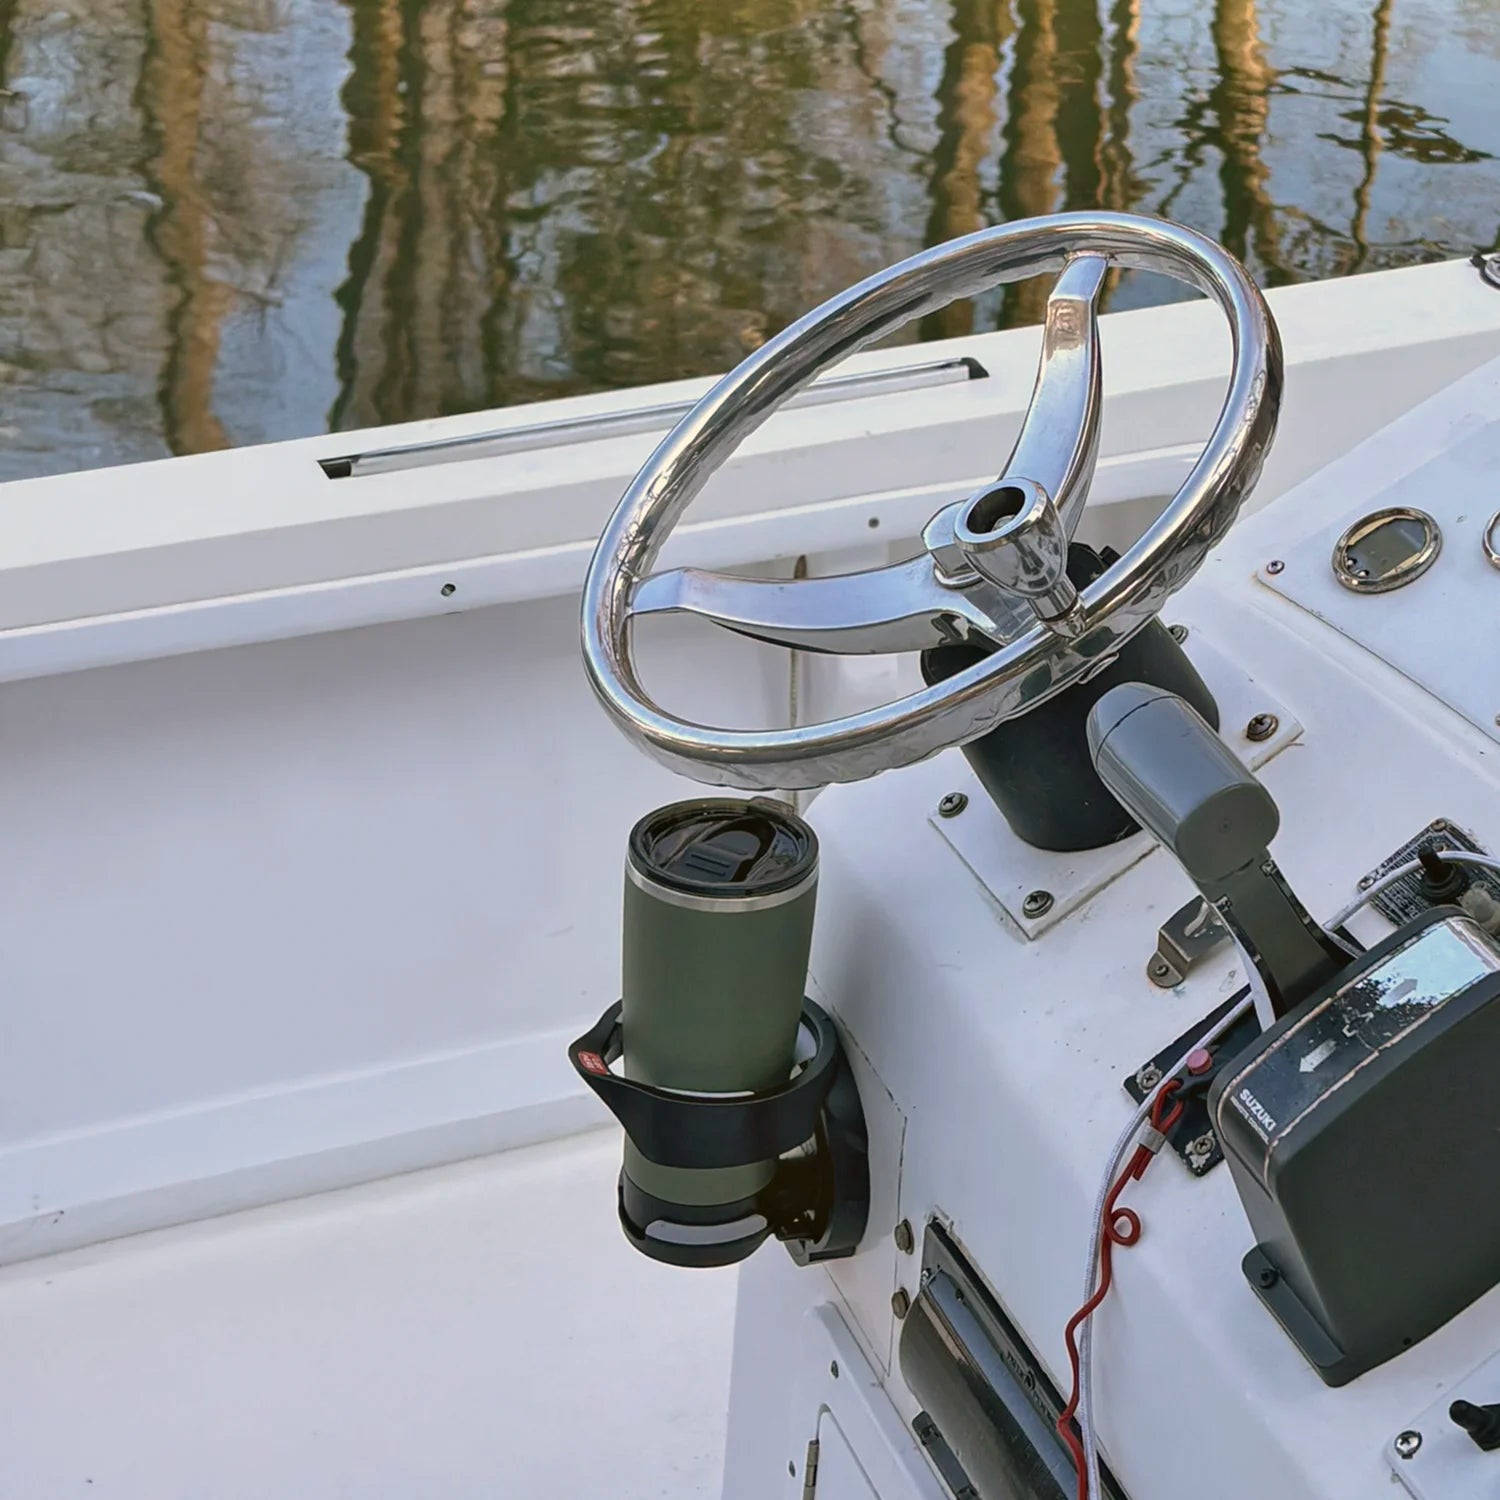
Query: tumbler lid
{"points": [[720, 846]]}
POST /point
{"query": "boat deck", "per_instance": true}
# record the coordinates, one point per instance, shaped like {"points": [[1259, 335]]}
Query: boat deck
{"points": [[475, 1330]]}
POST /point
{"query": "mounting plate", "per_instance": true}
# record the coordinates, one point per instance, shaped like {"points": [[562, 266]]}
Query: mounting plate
{"points": [[1193, 1137], [1447, 1464], [1010, 869]]}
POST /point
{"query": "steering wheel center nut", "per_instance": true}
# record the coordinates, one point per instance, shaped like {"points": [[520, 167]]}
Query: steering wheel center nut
{"points": [[1012, 535]]}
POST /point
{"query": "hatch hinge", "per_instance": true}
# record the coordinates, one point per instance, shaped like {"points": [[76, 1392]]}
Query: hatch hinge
{"points": [[810, 1471]]}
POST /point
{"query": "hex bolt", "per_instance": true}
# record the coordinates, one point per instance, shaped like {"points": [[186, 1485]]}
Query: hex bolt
{"points": [[1275, 566], [1037, 904], [1179, 633], [1148, 1078], [1408, 1442], [906, 1241], [1262, 727], [953, 804], [901, 1302]]}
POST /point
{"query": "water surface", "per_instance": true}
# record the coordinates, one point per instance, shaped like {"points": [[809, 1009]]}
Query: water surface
{"points": [[230, 221]]}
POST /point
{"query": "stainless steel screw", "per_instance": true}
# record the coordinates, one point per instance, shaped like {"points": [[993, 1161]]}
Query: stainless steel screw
{"points": [[1275, 566], [1179, 633], [1148, 1078], [953, 804], [905, 1240], [901, 1302], [1262, 727], [1037, 904], [1204, 1145], [1408, 1442]]}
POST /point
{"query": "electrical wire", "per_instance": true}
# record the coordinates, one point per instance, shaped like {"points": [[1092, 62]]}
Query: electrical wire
{"points": [[1104, 1234], [1452, 856], [1121, 1226], [1089, 1485]]}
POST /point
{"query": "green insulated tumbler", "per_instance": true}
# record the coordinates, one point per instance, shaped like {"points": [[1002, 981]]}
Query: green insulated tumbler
{"points": [[719, 898]]}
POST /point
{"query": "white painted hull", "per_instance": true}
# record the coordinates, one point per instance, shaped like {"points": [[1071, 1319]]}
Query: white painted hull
{"points": [[324, 907]]}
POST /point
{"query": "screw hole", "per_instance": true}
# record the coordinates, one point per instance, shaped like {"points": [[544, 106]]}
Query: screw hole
{"points": [[791, 1468], [448, 590], [833, 1369], [873, 523]]}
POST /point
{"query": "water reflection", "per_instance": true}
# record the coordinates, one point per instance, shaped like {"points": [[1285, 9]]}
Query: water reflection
{"points": [[223, 221]]}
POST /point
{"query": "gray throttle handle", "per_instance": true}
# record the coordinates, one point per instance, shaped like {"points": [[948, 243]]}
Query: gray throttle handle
{"points": [[1181, 782]]}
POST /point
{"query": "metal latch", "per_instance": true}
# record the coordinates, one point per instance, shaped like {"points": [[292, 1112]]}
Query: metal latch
{"points": [[1186, 938], [1487, 263]]}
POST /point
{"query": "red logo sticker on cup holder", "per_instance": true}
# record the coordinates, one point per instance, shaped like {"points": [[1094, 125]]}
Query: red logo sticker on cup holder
{"points": [[593, 1062]]}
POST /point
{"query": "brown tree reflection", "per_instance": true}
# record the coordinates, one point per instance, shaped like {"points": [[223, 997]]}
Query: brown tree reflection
{"points": [[567, 195], [173, 80], [1241, 100], [967, 117], [229, 220]]}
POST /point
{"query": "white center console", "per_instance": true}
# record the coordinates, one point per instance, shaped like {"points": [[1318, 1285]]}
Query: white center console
{"points": [[993, 1048]]}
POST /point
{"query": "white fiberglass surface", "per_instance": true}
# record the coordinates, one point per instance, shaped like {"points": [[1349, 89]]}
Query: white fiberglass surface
{"points": [[480, 1330]]}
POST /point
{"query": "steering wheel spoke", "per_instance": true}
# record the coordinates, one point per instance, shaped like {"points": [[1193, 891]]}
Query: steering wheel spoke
{"points": [[902, 607], [1058, 445]]}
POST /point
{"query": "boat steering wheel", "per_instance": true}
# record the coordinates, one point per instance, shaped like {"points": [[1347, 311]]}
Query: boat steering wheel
{"points": [[994, 568]]}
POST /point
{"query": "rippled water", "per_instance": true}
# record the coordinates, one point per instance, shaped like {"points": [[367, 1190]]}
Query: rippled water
{"points": [[237, 220]]}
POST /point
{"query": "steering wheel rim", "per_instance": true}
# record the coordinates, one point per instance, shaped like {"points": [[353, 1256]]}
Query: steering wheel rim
{"points": [[1039, 662]]}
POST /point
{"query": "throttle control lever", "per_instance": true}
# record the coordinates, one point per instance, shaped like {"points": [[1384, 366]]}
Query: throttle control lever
{"points": [[1180, 781]]}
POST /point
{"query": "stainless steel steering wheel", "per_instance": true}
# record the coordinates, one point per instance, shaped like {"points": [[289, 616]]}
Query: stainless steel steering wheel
{"points": [[995, 562]]}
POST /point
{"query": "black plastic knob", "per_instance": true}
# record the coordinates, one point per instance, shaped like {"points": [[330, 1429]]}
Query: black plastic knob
{"points": [[1482, 1423], [1441, 881]]}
